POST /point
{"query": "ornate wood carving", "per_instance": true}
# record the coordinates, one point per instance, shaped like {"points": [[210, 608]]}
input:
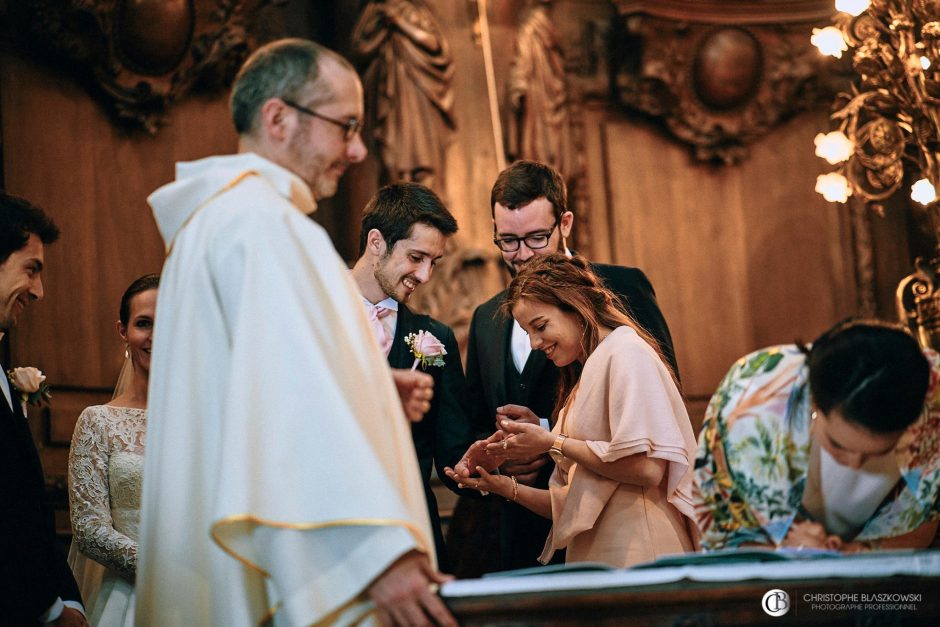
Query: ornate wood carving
{"points": [[409, 93], [539, 122], [718, 74], [544, 122], [138, 56]]}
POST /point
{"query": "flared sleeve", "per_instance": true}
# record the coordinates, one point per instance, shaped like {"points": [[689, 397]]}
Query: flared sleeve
{"points": [[645, 414], [626, 404]]}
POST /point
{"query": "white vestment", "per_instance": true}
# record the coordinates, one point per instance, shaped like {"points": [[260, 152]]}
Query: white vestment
{"points": [[280, 475]]}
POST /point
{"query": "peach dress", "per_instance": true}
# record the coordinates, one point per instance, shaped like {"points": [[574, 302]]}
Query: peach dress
{"points": [[624, 404]]}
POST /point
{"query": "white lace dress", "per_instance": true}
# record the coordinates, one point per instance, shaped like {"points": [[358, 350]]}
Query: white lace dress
{"points": [[105, 466]]}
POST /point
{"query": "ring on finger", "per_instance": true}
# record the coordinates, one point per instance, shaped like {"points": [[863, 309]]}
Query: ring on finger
{"points": [[505, 444]]}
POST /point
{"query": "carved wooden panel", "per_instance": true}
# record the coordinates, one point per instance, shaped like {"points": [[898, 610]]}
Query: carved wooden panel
{"points": [[719, 75], [137, 56], [740, 257]]}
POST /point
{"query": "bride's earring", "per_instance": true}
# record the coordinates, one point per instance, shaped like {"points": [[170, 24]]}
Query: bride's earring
{"points": [[127, 351]]}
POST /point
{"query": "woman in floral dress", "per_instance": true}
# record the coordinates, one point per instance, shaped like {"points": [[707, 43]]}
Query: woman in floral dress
{"points": [[829, 448]]}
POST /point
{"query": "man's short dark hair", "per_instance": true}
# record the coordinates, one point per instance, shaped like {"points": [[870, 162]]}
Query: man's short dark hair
{"points": [[287, 68], [396, 208], [18, 219], [525, 181]]}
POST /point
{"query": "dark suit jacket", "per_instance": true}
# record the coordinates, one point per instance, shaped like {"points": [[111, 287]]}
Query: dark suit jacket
{"points": [[522, 533], [34, 570], [444, 435]]}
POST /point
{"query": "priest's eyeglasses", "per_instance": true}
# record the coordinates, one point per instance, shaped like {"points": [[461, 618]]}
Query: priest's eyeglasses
{"points": [[350, 127], [533, 241]]}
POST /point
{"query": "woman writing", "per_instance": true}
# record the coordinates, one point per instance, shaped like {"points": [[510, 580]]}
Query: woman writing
{"points": [[829, 448], [105, 464], [621, 492]]}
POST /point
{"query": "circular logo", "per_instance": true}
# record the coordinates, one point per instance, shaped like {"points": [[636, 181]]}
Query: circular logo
{"points": [[776, 602]]}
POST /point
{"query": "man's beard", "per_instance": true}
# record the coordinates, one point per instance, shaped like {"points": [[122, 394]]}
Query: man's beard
{"points": [[387, 287]]}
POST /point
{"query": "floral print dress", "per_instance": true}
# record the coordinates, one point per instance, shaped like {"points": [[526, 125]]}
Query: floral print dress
{"points": [[754, 452]]}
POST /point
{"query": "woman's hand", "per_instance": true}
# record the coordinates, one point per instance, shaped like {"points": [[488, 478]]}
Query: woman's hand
{"points": [[477, 455], [524, 441], [524, 469], [807, 534], [485, 482]]}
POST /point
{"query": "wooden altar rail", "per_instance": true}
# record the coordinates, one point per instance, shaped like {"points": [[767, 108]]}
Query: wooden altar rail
{"points": [[712, 594], [693, 604]]}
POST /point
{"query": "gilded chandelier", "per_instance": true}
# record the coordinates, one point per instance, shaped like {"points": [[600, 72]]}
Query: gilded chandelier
{"points": [[888, 123], [891, 118]]}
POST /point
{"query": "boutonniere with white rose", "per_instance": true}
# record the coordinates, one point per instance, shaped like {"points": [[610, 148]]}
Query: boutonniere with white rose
{"points": [[427, 349], [30, 384]]}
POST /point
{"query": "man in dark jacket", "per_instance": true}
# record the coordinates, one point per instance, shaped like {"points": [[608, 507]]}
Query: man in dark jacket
{"points": [[404, 229], [36, 584]]}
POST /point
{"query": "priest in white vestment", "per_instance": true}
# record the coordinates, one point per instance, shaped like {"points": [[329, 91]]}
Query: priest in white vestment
{"points": [[280, 479]]}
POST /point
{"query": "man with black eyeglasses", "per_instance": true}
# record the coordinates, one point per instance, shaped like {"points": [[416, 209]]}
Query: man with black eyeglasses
{"points": [[504, 376]]}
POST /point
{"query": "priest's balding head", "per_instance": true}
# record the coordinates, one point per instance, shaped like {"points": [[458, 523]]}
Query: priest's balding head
{"points": [[300, 105]]}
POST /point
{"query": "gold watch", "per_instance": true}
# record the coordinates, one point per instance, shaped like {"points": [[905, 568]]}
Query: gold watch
{"points": [[555, 452]]}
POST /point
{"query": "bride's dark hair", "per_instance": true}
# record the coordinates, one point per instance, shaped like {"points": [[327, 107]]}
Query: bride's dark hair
{"points": [[140, 284], [570, 285]]}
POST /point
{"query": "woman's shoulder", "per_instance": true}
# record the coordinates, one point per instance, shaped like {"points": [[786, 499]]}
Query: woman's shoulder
{"points": [[108, 413], [769, 361], [623, 353], [624, 344]]}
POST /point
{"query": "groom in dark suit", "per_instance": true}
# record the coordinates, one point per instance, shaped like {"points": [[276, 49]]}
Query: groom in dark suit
{"points": [[404, 230], [531, 217], [36, 584]]}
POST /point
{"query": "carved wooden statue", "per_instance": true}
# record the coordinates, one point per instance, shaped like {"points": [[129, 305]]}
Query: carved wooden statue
{"points": [[540, 122], [408, 88]]}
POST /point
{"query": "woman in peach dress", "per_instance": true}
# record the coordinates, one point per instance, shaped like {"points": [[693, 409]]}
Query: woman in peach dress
{"points": [[621, 493]]}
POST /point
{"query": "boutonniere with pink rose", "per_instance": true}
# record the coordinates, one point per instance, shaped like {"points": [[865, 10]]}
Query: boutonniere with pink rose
{"points": [[30, 384], [427, 349]]}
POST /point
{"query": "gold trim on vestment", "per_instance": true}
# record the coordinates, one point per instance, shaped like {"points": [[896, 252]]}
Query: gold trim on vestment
{"points": [[269, 615], [348, 522]]}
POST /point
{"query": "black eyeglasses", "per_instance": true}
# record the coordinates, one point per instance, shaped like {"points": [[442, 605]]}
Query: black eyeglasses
{"points": [[535, 241], [350, 127]]}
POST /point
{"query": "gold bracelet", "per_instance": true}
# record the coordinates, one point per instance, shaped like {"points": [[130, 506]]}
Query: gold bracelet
{"points": [[515, 488]]}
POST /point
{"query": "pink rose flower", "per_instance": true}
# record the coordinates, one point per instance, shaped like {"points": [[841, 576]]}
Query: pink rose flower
{"points": [[30, 384], [428, 345], [427, 349], [27, 379]]}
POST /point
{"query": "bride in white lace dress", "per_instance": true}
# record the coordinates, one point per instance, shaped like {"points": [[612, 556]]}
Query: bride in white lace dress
{"points": [[105, 466]]}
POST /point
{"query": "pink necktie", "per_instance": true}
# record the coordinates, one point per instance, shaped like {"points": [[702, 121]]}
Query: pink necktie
{"points": [[376, 313]]}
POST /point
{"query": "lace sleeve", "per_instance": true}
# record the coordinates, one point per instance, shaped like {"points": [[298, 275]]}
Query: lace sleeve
{"points": [[89, 496]]}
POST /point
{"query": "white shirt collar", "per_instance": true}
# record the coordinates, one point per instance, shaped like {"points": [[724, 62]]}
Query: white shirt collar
{"points": [[389, 303], [5, 386]]}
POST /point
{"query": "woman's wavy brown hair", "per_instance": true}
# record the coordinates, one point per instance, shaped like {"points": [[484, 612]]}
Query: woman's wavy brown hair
{"points": [[570, 285]]}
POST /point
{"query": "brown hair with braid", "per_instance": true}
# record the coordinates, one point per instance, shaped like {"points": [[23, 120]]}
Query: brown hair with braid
{"points": [[571, 286]]}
